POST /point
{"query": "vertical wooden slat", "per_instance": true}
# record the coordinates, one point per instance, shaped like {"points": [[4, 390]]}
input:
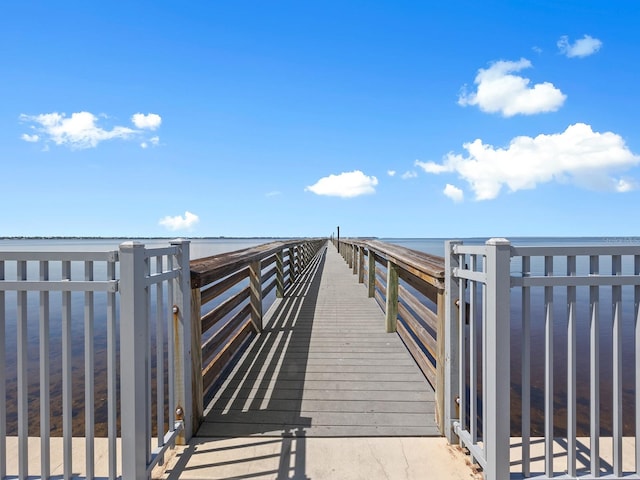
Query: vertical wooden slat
{"points": [[594, 368], [67, 399], [89, 369], [392, 297], [616, 294], [45, 407], [571, 369], [255, 285], [279, 275], [361, 265], [548, 370], [525, 347], [23, 383]]}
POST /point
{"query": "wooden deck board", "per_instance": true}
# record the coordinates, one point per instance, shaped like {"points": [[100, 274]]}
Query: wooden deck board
{"points": [[324, 367]]}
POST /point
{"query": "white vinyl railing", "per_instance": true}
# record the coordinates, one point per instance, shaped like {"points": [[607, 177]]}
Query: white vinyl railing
{"points": [[57, 285], [487, 286]]}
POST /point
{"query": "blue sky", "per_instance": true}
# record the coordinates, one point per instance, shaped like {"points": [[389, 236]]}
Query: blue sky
{"points": [[288, 118]]}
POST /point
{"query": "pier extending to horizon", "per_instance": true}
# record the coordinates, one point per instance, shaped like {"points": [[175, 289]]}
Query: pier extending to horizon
{"points": [[288, 360]]}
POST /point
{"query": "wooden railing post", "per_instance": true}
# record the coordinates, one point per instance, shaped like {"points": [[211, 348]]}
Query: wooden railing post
{"points": [[361, 265], [371, 283], [355, 259], [279, 274], [255, 286], [196, 358], [292, 264], [392, 297]]}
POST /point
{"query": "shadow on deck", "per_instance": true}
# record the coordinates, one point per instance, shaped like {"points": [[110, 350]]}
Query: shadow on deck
{"points": [[323, 373]]}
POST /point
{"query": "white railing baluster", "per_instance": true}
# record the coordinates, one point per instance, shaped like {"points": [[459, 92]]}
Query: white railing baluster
{"points": [[525, 346], [495, 454], [45, 403], [454, 346], [23, 383], [159, 357], [594, 367], [616, 297], [112, 397], [134, 336], [171, 351], [548, 369], [147, 356], [636, 316], [89, 369], [571, 369], [496, 425], [3, 381], [182, 360], [67, 400], [473, 355]]}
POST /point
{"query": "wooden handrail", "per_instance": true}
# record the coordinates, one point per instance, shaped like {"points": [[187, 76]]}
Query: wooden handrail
{"points": [[386, 265], [227, 293]]}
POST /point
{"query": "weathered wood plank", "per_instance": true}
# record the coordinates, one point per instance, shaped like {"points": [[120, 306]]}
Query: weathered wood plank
{"points": [[324, 366]]}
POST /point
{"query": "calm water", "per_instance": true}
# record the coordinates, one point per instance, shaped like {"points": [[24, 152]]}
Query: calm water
{"points": [[206, 247], [629, 349]]}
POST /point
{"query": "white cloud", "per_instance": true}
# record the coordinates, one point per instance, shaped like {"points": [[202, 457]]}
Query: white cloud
{"points": [[151, 121], [409, 174], [582, 47], [578, 155], [391, 173], [30, 138], [346, 185], [275, 193], [80, 130], [454, 193], [155, 141], [178, 222], [500, 91]]}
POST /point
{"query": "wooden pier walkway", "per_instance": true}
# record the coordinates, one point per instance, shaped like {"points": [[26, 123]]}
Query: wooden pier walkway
{"points": [[324, 367], [323, 392]]}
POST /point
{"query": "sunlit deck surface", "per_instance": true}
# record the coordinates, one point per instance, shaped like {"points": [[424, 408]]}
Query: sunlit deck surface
{"points": [[324, 367]]}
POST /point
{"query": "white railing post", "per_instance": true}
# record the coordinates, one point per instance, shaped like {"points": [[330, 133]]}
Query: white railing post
{"points": [[497, 422], [134, 335], [452, 390], [182, 351]]}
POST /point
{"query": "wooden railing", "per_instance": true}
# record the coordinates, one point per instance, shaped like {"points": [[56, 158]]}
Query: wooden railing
{"points": [[409, 287], [228, 295]]}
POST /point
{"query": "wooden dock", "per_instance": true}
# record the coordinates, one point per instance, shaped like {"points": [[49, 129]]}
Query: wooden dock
{"points": [[324, 367]]}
